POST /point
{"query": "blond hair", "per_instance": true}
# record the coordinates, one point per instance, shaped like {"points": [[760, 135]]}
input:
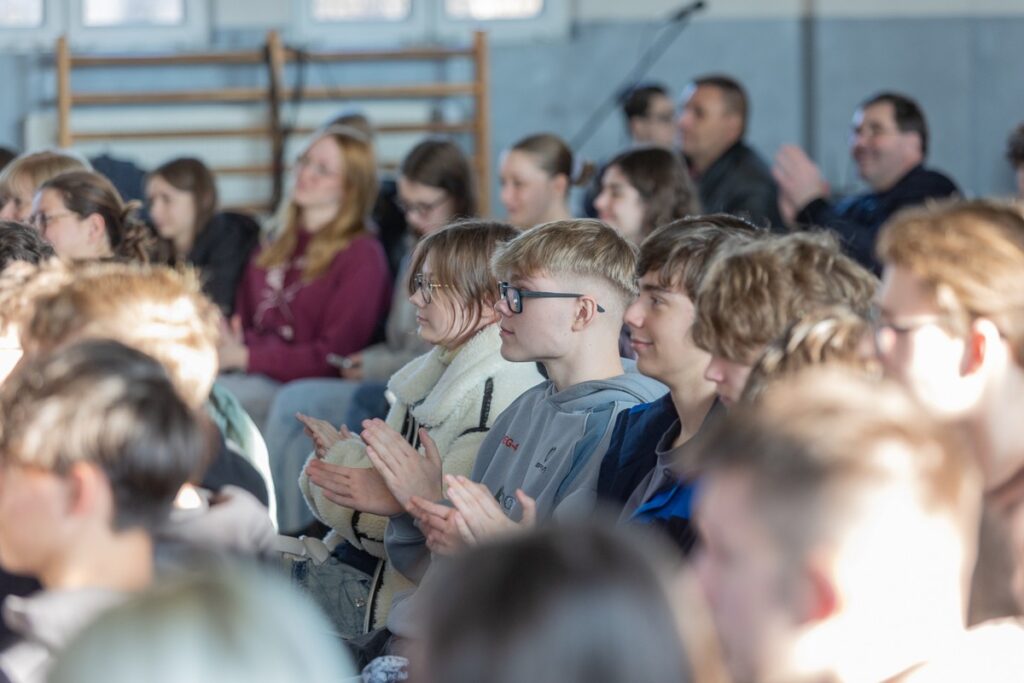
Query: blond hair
{"points": [[359, 183], [32, 169], [971, 255], [581, 247], [829, 335], [157, 310], [754, 292]]}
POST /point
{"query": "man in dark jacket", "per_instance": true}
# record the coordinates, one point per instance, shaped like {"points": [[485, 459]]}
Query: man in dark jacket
{"points": [[730, 175], [889, 143]]}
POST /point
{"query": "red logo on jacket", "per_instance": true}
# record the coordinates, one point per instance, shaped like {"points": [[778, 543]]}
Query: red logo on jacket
{"points": [[508, 442]]}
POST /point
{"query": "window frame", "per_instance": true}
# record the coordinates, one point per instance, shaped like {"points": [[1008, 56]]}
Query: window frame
{"points": [[552, 22], [193, 32], [308, 30]]}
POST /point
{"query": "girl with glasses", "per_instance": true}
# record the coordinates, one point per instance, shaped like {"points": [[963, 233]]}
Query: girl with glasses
{"points": [[452, 393]]}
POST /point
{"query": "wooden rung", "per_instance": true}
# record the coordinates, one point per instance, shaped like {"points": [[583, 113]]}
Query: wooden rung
{"points": [[249, 169], [171, 97], [246, 57], [389, 128], [387, 92], [381, 55], [171, 134]]}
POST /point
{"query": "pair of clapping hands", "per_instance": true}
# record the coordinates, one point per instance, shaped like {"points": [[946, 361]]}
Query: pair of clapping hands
{"points": [[403, 480]]}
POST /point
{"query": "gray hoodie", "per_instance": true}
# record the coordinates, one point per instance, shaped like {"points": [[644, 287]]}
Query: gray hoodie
{"points": [[548, 443]]}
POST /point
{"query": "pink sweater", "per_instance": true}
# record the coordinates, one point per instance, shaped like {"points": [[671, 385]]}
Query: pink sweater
{"points": [[290, 326]]}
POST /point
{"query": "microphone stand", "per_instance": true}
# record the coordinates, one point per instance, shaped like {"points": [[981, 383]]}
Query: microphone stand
{"points": [[677, 22]]}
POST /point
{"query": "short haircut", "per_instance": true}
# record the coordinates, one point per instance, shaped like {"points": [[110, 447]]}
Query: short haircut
{"points": [[577, 603], [908, 114], [681, 251], [104, 403], [582, 247], [462, 263], [663, 183], [821, 441], [1015, 147], [733, 93], [191, 175], [832, 335], [20, 242], [971, 254], [636, 101], [157, 310], [753, 293], [440, 163]]}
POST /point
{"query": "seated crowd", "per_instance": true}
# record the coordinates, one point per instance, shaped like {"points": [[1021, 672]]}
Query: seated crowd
{"points": [[731, 428]]}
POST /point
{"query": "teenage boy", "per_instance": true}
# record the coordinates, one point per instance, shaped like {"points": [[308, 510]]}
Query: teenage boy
{"points": [[838, 523], [94, 445], [950, 327], [651, 447], [752, 294], [564, 288]]}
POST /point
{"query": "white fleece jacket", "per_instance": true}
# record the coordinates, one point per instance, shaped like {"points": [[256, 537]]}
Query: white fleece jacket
{"points": [[456, 397]]}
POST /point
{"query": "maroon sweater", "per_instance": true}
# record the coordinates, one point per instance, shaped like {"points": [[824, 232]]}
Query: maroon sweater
{"points": [[290, 326]]}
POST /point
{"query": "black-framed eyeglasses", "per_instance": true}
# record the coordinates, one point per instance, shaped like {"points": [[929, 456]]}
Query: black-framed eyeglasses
{"points": [[421, 208], [425, 287], [513, 296]]}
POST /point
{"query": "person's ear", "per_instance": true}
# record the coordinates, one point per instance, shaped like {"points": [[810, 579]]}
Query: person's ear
{"points": [[97, 228], [88, 489], [586, 312], [815, 597], [982, 336], [560, 184]]}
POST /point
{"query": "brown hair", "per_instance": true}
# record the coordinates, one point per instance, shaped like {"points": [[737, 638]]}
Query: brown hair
{"points": [[191, 175], [971, 254], [86, 193], [360, 185], [1015, 147], [104, 403], [583, 247], [665, 187], [681, 251], [440, 163], [157, 310], [34, 168], [555, 157], [733, 94], [462, 263], [753, 293], [829, 335], [819, 440]]}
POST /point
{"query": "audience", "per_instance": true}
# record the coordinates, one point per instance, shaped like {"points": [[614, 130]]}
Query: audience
{"points": [[435, 186], [321, 286], [839, 524], [889, 144], [451, 395], [536, 174], [644, 189], [181, 196], [730, 175]]}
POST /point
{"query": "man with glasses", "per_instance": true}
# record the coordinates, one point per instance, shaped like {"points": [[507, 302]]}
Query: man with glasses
{"points": [[888, 143], [950, 326]]}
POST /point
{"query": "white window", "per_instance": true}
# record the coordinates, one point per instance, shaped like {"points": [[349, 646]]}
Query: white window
{"points": [[97, 13], [21, 13], [361, 10], [493, 9], [340, 24], [138, 24]]}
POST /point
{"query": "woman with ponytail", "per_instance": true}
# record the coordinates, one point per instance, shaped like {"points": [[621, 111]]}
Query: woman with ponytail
{"points": [[536, 174], [82, 215]]}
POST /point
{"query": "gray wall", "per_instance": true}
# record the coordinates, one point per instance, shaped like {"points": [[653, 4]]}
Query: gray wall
{"points": [[967, 72]]}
